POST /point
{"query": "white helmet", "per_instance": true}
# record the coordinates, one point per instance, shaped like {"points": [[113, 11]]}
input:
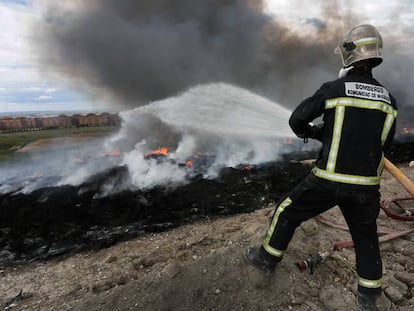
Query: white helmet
{"points": [[361, 43]]}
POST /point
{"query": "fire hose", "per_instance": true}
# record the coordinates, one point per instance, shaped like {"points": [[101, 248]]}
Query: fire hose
{"points": [[386, 234], [408, 214], [404, 181]]}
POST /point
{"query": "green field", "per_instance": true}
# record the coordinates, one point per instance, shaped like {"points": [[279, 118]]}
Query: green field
{"points": [[10, 142]]}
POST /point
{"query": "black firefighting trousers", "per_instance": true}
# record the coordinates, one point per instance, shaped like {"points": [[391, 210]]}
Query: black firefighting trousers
{"points": [[360, 209]]}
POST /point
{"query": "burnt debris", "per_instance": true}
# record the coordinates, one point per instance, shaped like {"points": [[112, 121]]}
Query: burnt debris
{"points": [[53, 221], [58, 220]]}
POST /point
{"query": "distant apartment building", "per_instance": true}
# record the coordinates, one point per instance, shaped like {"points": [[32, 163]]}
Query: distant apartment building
{"points": [[61, 121], [8, 123]]}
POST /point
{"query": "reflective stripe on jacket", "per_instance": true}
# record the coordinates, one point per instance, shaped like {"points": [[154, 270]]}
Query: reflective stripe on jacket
{"points": [[358, 126]]}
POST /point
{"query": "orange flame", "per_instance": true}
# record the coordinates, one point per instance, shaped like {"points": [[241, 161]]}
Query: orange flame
{"points": [[160, 151], [189, 163]]}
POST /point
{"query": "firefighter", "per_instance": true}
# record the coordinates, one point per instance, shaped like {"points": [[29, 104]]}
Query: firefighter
{"points": [[357, 129]]}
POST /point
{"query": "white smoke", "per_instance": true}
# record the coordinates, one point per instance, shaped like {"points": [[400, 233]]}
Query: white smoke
{"points": [[150, 172], [69, 165], [186, 147], [213, 126], [204, 129]]}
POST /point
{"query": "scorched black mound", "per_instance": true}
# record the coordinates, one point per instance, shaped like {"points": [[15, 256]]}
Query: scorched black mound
{"points": [[60, 220]]}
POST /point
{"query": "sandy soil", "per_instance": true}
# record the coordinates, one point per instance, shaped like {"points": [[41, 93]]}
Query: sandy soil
{"points": [[200, 267]]}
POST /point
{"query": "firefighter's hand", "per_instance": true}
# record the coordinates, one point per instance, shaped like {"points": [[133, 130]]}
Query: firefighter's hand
{"points": [[316, 131]]}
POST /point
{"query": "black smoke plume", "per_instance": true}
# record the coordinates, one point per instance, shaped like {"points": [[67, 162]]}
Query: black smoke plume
{"points": [[151, 49], [138, 51]]}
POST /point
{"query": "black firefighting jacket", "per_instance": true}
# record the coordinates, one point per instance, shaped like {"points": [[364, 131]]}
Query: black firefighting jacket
{"points": [[358, 127]]}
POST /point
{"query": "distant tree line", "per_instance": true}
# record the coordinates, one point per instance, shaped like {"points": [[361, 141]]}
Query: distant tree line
{"points": [[61, 121]]}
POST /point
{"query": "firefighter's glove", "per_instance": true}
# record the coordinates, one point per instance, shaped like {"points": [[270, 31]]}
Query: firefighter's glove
{"points": [[313, 131], [316, 131]]}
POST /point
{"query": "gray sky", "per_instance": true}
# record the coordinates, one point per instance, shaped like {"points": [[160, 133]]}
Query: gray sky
{"points": [[32, 79]]}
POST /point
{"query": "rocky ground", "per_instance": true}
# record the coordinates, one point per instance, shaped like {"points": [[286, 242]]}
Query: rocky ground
{"points": [[200, 267]]}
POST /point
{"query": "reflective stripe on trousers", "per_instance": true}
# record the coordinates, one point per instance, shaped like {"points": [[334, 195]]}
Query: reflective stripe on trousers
{"points": [[369, 283], [271, 250]]}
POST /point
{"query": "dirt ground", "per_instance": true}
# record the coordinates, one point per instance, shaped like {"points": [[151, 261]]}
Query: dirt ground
{"points": [[200, 267]]}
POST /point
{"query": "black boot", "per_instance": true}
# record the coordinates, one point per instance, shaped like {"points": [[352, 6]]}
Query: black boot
{"points": [[366, 303], [255, 257]]}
